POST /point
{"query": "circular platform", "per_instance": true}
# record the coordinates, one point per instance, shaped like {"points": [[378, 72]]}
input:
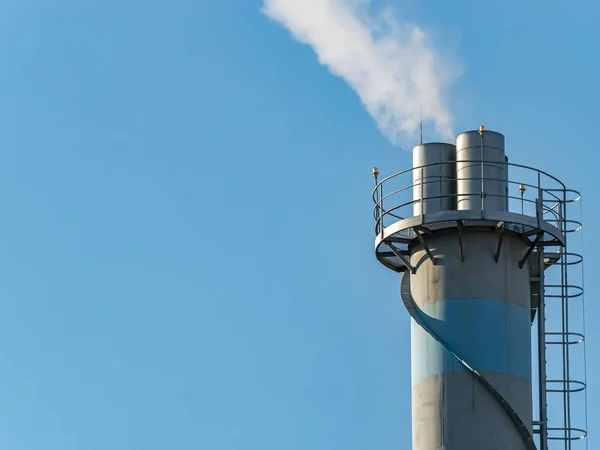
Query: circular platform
{"points": [[405, 214]]}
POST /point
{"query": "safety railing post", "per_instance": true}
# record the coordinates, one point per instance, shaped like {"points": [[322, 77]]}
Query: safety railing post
{"points": [[422, 195], [543, 405], [381, 210], [539, 202]]}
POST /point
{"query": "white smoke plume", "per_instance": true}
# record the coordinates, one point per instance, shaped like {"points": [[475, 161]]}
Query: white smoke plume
{"points": [[393, 66]]}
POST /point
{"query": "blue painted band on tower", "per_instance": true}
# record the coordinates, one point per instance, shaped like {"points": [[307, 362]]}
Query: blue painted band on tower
{"points": [[491, 335]]}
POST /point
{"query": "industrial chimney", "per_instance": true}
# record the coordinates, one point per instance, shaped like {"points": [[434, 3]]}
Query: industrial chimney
{"points": [[473, 245]]}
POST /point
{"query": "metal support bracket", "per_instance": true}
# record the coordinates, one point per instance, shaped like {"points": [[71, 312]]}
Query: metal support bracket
{"points": [[459, 226], [402, 258], [424, 244], [499, 227], [497, 255], [529, 250]]}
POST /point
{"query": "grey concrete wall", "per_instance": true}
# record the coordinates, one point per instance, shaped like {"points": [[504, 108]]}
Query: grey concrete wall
{"points": [[481, 309], [453, 411]]}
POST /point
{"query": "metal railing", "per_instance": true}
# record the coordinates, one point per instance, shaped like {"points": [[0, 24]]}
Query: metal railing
{"points": [[396, 196]]}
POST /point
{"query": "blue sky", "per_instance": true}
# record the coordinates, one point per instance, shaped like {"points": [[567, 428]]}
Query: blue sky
{"points": [[187, 254]]}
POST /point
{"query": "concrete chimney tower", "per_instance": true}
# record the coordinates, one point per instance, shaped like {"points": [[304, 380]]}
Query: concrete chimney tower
{"points": [[473, 245]]}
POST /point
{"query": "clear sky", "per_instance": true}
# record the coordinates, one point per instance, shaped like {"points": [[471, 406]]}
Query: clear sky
{"points": [[187, 240]]}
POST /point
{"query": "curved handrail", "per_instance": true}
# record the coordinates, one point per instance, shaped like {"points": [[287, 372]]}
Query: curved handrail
{"points": [[581, 386], [378, 205], [568, 289], [578, 259], [580, 337], [422, 181], [573, 191], [549, 201], [569, 430], [577, 223], [380, 213], [478, 161]]}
